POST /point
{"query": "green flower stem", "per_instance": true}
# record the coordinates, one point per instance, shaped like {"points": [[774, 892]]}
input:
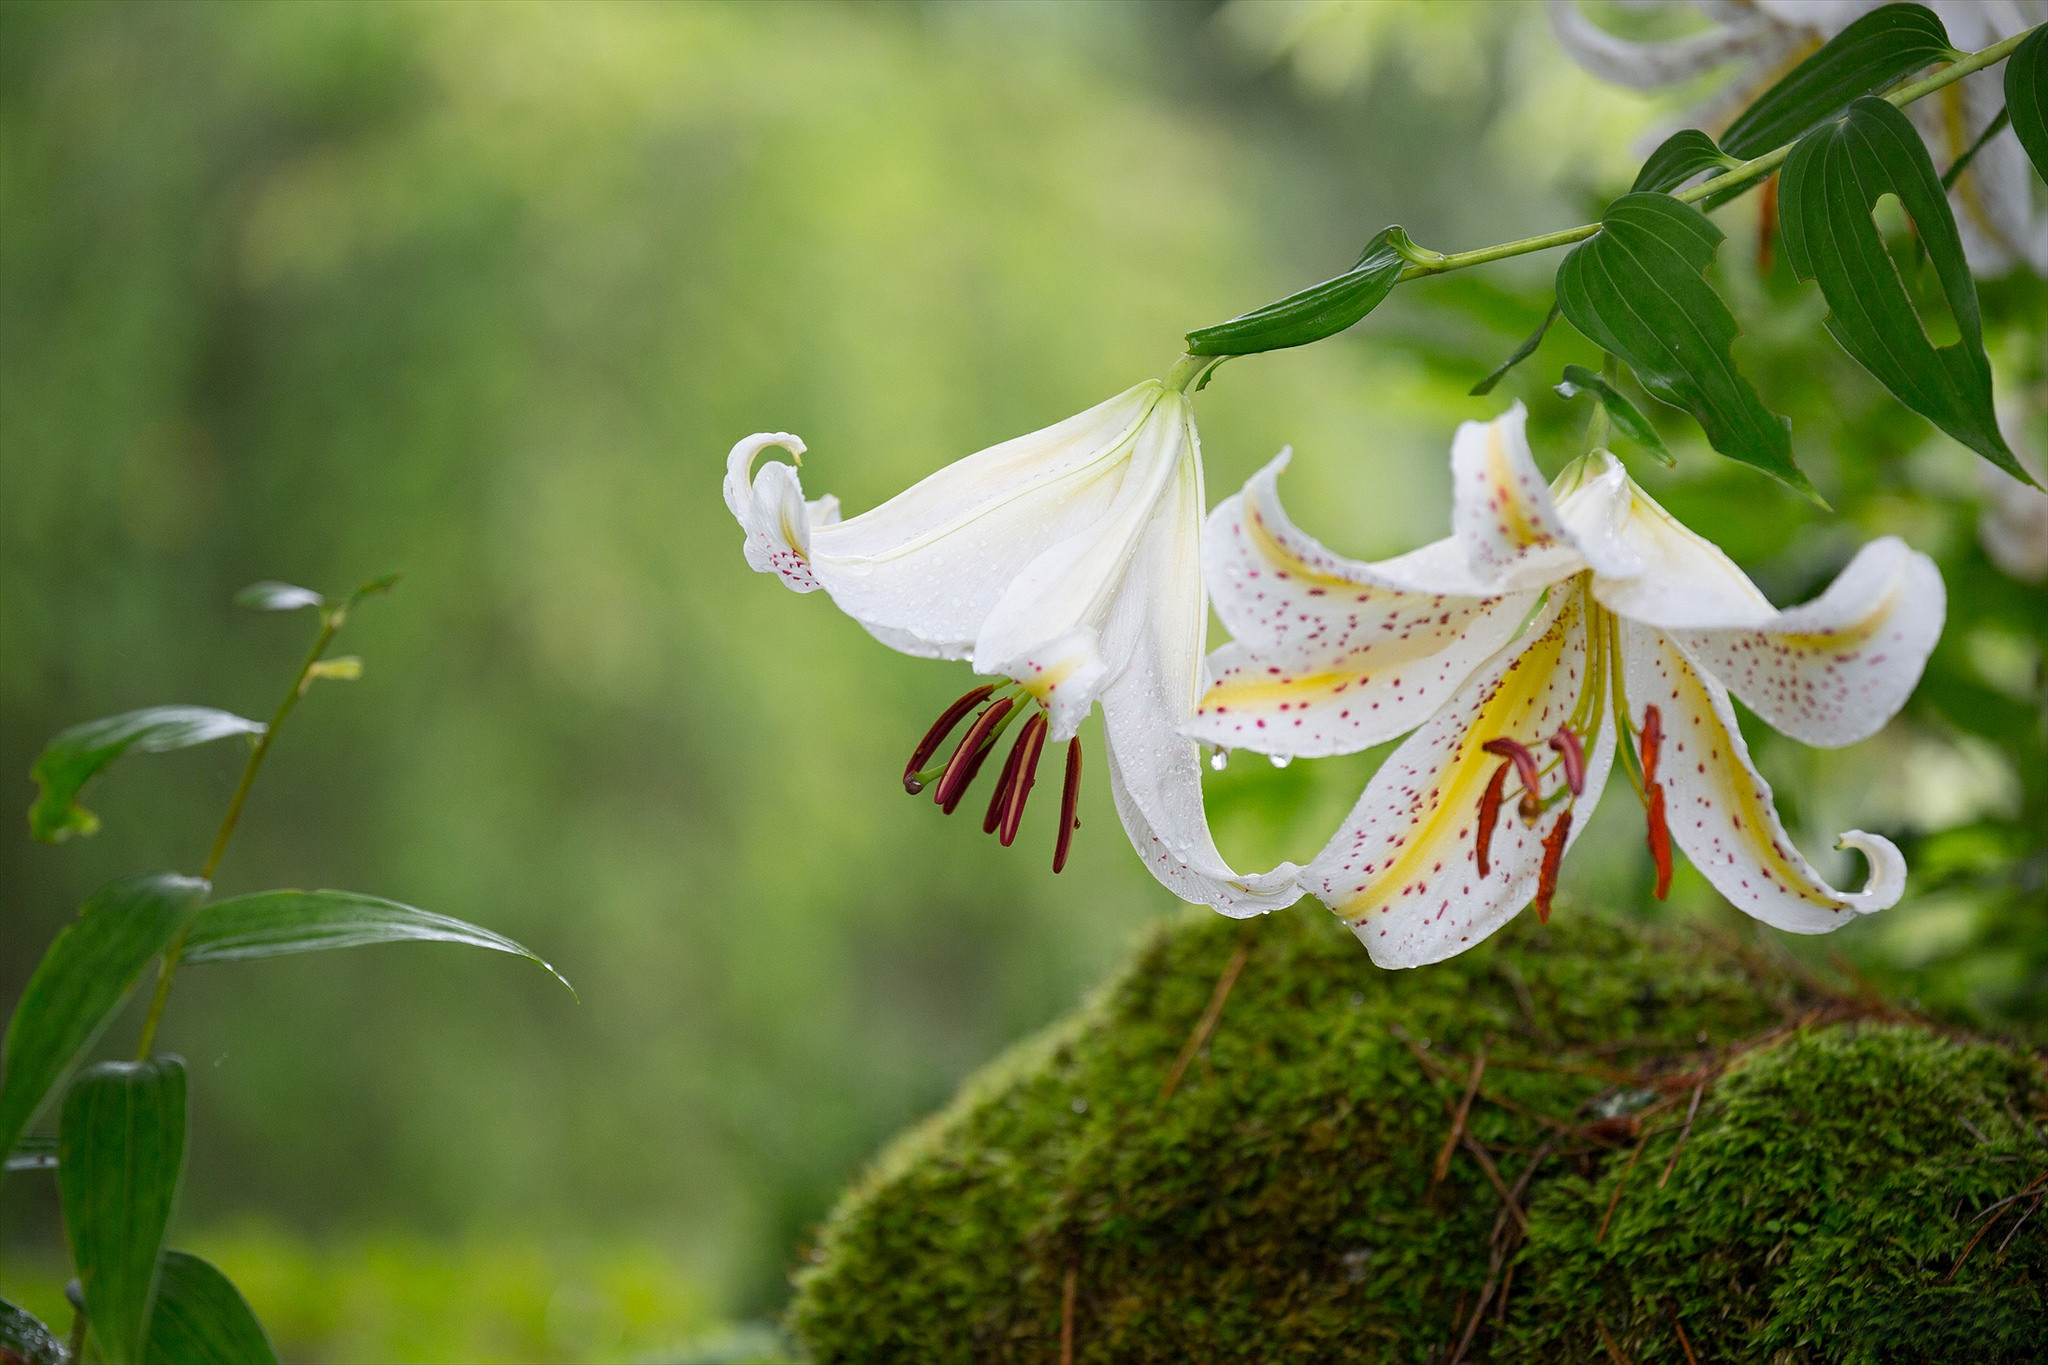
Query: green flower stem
{"points": [[1740, 176], [330, 622]]}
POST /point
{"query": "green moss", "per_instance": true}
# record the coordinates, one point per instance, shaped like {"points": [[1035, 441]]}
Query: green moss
{"points": [[1279, 1205]]}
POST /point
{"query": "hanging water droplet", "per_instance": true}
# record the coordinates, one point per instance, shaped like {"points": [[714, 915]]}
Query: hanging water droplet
{"points": [[1220, 759], [1280, 760]]}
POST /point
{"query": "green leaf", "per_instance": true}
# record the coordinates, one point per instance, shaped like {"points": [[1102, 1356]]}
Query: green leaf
{"points": [[121, 1151], [1883, 46], [2026, 97], [81, 981], [1639, 290], [376, 587], [1832, 180], [1320, 311], [1628, 419], [202, 1319], [1679, 158], [23, 1337], [270, 596], [273, 923], [1521, 353], [75, 756]]}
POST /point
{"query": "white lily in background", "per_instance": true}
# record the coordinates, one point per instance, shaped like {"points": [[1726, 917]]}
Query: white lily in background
{"points": [[1554, 629], [1994, 198], [1067, 564]]}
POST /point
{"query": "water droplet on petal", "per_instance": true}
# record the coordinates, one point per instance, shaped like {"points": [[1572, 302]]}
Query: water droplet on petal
{"points": [[1220, 759], [1280, 760]]}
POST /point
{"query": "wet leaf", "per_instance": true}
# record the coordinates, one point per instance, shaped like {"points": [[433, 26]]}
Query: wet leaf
{"points": [[1639, 290], [274, 923], [202, 1319], [74, 757], [1831, 182], [1628, 419], [81, 982], [121, 1152]]}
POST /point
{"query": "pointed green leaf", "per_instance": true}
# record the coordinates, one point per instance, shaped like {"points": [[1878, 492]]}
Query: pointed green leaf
{"points": [[24, 1338], [75, 756], [202, 1319], [270, 596], [273, 923], [1883, 46], [1628, 419], [121, 1151], [2026, 97], [1679, 158], [82, 981], [1520, 354], [1832, 180], [1320, 311], [1639, 290]]}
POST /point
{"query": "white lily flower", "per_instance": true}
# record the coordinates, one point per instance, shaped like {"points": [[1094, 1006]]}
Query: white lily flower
{"points": [[1066, 563], [1993, 199], [1555, 628]]}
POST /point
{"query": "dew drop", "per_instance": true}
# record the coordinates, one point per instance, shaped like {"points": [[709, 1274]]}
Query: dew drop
{"points": [[1220, 759], [1280, 760]]}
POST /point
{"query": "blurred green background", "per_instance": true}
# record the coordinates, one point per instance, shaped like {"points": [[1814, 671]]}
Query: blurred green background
{"points": [[483, 293]]}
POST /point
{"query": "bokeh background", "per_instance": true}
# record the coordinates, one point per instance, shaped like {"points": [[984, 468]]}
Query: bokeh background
{"points": [[483, 293]]}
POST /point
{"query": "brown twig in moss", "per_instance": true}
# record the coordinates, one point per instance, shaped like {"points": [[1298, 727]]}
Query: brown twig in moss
{"points": [[1691, 1111], [1619, 1185], [1443, 1156], [1207, 1023], [1613, 1347], [1679, 1327], [1067, 1290], [1997, 1211]]}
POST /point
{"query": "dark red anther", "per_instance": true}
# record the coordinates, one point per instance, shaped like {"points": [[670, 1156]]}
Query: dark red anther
{"points": [[1525, 764], [1653, 739], [1660, 838], [1002, 791], [1489, 816], [966, 760], [1566, 742], [1070, 801], [1553, 858], [936, 736], [1029, 744]]}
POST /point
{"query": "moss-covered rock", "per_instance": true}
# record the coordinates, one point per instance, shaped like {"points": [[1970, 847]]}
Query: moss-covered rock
{"points": [[1280, 1203]]}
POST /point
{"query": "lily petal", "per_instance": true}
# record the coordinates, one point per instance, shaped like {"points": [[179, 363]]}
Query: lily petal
{"points": [[1044, 629], [1649, 567], [1155, 773], [1501, 511], [1333, 655], [1646, 66], [772, 511], [1402, 871], [1719, 808], [1835, 670], [925, 570]]}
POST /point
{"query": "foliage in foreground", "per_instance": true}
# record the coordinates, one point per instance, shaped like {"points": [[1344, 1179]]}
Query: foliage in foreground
{"points": [[1279, 1202]]}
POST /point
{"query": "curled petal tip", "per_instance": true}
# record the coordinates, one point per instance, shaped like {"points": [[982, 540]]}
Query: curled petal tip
{"points": [[1887, 880]]}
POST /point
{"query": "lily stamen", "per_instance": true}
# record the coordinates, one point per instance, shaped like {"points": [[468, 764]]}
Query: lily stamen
{"points": [[1024, 754], [1653, 801], [1574, 755], [999, 799], [1553, 857], [1070, 800], [1489, 816], [913, 771], [966, 761], [1532, 776]]}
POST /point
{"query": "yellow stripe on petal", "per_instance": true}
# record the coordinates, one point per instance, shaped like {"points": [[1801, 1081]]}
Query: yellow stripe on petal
{"points": [[1515, 709]]}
